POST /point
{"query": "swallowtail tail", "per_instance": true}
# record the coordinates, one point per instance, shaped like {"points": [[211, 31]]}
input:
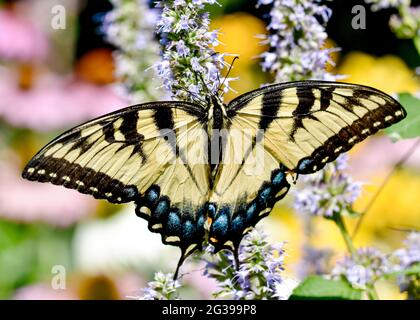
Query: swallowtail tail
{"points": [[212, 171]]}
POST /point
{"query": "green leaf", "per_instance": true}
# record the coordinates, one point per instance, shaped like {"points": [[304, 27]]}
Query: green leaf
{"points": [[28, 252], [319, 288], [410, 271], [410, 126]]}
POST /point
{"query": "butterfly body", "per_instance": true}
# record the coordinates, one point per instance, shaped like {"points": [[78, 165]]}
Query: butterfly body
{"points": [[216, 121], [212, 171]]}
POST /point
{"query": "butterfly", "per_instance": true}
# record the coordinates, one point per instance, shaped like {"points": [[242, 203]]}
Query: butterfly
{"points": [[209, 171]]}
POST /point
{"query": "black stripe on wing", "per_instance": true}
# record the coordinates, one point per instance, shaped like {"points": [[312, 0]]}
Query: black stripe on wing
{"points": [[39, 163], [348, 97], [178, 226]]}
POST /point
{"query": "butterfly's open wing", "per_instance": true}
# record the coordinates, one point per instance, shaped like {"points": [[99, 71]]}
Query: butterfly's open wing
{"points": [[292, 127], [152, 154]]}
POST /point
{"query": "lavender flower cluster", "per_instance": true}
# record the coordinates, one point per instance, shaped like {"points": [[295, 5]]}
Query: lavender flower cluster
{"points": [[130, 26], [406, 258], [260, 272], [368, 265], [410, 254], [363, 269], [314, 261], [162, 288], [327, 191], [189, 63], [297, 38]]}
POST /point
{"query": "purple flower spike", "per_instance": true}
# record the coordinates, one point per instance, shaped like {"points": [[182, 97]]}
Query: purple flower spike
{"points": [[297, 37], [191, 64]]}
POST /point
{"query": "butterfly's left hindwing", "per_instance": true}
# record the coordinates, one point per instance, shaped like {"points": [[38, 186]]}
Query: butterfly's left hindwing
{"points": [[153, 154], [294, 127]]}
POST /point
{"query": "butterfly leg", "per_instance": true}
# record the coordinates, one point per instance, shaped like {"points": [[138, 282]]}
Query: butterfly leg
{"points": [[184, 254], [236, 258], [180, 262]]}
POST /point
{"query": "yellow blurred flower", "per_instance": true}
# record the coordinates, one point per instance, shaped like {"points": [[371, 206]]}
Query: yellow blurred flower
{"points": [[389, 291], [99, 287], [395, 208], [249, 79], [239, 36], [388, 73], [285, 225]]}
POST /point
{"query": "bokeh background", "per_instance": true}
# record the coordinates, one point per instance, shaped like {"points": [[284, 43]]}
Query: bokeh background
{"points": [[51, 80]]}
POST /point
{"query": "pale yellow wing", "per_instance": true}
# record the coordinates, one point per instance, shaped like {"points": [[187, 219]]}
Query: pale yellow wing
{"points": [[153, 154], [293, 127]]}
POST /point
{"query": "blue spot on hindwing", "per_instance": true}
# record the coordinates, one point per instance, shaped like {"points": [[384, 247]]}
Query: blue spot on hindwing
{"points": [[173, 225], [129, 193], [200, 222], [251, 213], [237, 225], [264, 196], [279, 178], [305, 166], [212, 210], [152, 195], [220, 225], [188, 231], [162, 208]]}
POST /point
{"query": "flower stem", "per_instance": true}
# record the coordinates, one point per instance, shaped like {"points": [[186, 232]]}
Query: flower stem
{"points": [[371, 293], [338, 219], [416, 41]]}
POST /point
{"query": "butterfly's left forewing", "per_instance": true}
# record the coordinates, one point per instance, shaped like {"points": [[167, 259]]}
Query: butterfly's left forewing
{"points": [[294, 127]]}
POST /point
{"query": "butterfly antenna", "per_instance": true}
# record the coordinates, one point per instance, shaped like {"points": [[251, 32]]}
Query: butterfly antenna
{"points": [[193, 94], [227, 74], [200, 76]]}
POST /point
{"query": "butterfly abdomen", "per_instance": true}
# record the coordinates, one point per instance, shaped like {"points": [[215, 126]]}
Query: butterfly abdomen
{"points": [[215, 133]]}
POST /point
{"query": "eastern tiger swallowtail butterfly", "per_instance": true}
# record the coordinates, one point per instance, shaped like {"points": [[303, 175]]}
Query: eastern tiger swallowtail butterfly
{"points": [[211, 171]]}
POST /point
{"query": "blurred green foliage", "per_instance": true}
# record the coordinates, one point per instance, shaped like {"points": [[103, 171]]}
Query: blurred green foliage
{"points": [[410, 127], [29, 251], [319, 288]]}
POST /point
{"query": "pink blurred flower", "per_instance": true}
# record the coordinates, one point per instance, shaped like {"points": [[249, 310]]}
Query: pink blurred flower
{"points": [[54, 102], [20, 39], [22, 200], [85, 287], [204, 285], [128, 284], [41, 291], [380, 154]]}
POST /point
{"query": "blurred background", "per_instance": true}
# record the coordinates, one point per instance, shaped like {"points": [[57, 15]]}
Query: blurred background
{"points": [[53, 79]]}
